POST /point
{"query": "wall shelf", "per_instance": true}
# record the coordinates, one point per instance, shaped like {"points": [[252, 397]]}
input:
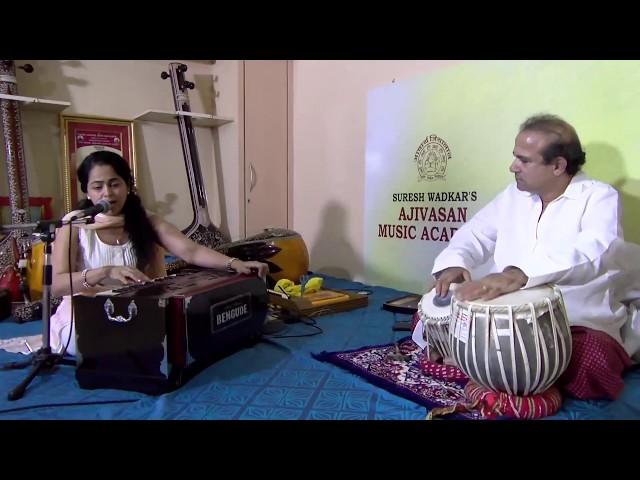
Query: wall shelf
{"points": [[197, 119], [31, 103]]}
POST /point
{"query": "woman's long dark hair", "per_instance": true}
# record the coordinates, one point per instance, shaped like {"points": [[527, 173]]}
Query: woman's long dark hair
{"points": [[141, 232]]}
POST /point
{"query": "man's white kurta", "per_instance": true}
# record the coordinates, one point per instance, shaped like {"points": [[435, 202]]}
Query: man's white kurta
{"points": [[577, 243]]}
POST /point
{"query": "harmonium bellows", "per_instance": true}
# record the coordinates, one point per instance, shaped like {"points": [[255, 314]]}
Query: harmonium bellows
{"points": [[155, 336]]}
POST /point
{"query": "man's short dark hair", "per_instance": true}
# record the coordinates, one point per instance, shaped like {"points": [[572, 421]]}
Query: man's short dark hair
{"points": [[565, 144]]}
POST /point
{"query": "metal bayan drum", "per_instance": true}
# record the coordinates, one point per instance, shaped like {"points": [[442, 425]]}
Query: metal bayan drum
{"points": [[519, 343]]}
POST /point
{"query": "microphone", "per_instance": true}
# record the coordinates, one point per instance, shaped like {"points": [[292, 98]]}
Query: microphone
{"points": [[100, 207]]}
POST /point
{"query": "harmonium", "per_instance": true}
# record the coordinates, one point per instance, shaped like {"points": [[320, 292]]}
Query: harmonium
{"points": [[153, 337]]}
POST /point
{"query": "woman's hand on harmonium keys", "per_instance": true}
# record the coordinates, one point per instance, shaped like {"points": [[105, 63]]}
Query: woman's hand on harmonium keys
{"points": [[250, 267], [126, 275]]}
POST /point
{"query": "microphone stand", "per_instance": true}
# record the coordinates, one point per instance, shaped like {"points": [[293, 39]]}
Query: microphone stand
{"points": [[42, 359]]}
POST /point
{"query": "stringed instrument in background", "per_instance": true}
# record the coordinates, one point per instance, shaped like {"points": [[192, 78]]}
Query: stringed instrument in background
{"points": [[15, 247], [15, 161], [200, 230], [283, 250]]}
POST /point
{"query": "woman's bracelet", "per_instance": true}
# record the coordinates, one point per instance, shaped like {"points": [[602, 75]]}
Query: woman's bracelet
{"points": [[229, 262], [85, 284]]}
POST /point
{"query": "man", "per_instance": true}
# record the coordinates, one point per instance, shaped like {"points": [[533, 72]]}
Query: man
{"points": [[553, 225]]}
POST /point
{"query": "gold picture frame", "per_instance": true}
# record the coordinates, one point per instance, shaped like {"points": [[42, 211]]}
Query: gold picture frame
{"points": [[82, 135]]}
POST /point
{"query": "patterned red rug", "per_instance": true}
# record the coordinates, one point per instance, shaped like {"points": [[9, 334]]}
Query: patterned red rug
{"points": [[396, 368]]}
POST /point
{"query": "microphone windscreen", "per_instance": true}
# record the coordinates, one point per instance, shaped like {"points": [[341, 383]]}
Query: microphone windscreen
{"points": [[105, 204]]}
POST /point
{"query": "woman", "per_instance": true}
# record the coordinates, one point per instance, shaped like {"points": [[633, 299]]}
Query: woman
{"points": [[124, 245]]}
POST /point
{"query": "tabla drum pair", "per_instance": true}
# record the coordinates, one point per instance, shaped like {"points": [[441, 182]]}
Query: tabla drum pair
{"points": [[518, 343]]}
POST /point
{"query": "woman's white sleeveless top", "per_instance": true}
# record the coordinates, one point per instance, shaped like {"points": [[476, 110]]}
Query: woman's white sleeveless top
{"points": [[93, 253]]}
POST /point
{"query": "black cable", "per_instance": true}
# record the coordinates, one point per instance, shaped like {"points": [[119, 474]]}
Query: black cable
{"points": [[280, 287], [71, 404], [311, 323]]}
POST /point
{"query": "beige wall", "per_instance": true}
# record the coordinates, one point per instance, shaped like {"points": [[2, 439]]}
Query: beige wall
{"points": [[124, 89], [329, 136]]}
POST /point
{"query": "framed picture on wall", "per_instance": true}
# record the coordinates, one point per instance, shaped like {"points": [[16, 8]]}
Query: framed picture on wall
{"points": [[82, 136]]}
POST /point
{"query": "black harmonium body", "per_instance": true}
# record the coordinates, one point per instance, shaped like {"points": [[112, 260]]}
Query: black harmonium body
{"points": [[154, 337]]}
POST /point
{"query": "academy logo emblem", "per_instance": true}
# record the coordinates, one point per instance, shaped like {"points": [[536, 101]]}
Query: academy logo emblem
{"points": [[431, 159]]}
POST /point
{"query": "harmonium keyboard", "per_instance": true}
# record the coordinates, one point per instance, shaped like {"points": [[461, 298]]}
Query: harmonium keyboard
{"points": [[155, 336]]}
